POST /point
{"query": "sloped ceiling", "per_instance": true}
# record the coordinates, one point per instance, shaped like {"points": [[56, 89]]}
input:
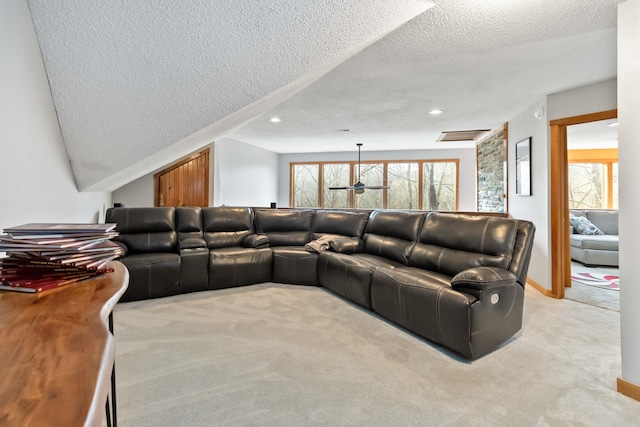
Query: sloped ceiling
{"points": [[131, 78], [138, 84]]}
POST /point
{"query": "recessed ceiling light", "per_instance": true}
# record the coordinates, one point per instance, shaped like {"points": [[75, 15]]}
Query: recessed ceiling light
{"points": [[435, 112], [613, 124], [274, 120]]}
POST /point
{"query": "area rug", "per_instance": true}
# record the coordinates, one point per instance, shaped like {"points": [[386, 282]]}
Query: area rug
{"points": [[606, 281]]}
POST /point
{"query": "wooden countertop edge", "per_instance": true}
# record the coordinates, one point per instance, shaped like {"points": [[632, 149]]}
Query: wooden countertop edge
{"points": [[103, 382]]}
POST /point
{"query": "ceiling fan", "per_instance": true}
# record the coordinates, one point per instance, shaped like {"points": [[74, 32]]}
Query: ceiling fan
{"points": [[359, 187]]}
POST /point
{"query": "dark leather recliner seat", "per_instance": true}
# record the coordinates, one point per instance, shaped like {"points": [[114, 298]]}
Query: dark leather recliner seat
{"points": [[388, 239], [149, 242], [288, 231], [236, 256], [424, 298]]}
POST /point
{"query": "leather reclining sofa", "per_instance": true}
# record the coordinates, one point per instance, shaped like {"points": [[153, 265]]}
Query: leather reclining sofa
{"points": [[454, 279]]}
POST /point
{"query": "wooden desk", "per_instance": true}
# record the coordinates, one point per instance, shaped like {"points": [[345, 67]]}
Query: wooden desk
{"points": [[56, 353]]}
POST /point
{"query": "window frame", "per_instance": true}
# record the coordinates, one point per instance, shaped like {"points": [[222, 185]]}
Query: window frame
{"points": [[385, 164]]}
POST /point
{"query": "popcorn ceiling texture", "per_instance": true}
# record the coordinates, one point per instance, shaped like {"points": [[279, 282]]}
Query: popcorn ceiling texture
{"points": [[130, 78], [133, 81], [482, 62]]}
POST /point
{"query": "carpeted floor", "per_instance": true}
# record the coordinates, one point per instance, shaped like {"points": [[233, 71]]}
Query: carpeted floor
{"points": [[280, 355], [593, 295]]}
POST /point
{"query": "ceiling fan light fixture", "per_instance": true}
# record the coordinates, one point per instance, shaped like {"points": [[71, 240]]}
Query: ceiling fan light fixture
{"points": [[359, 187]]}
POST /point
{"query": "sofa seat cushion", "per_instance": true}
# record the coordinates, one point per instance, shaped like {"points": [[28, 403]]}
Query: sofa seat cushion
{"points": [[152, 275], [424, 303], [236, 266], [605, 242], [350, 275], [376, 261], [294, 265]]}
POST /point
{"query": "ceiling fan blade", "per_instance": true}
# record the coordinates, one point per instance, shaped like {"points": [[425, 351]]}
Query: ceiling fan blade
{"points": [[376, 187], [340, 188]]}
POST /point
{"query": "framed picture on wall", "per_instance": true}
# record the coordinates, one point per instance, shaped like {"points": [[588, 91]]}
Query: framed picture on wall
{"points": [[523, 167]]}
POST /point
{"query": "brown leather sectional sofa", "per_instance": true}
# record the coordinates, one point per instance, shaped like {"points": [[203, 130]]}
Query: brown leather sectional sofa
{"points": [[454, 279]]}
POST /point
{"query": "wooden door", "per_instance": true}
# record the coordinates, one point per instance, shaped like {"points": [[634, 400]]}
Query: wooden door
{"points": [[185, 183]]}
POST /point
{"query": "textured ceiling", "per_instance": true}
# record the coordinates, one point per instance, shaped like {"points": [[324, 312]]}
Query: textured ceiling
{"points": [[138, 84], [482, 62], [130, 78]]}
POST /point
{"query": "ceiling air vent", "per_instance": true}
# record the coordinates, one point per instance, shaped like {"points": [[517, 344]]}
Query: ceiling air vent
{"points": [[462, 135]]}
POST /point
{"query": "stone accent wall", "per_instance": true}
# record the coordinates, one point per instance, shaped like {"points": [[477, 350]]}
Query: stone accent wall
{"points": [[491, 185]]}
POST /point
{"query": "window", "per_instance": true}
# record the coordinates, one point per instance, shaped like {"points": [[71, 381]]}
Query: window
{"points": [[305, 179], [593, 179], [403, 186], [440, 186], [335, 175], [418, 184]]}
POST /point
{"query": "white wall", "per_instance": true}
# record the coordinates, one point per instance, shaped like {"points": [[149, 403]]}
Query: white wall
{"points": [[629, 176], [36, 182], [244, 175], [592, 98], [467, 168], [534, 208], [583, 100], [136, 194]]}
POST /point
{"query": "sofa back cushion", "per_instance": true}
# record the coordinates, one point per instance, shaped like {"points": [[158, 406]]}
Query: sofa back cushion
{"points": [[392, 234], [189, 222], [226, 226], [343, 223], [451, 243], [605, 220], [291, 227], [145, 230]]}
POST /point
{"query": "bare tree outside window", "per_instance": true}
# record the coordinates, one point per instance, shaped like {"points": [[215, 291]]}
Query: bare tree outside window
{"points": [[402, 179], [335, 175], [586, 185], [439, 186], [305, 185]]}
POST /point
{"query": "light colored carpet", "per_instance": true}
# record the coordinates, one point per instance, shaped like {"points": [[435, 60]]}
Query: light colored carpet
{"points": [[599, 297], [280, 355]]}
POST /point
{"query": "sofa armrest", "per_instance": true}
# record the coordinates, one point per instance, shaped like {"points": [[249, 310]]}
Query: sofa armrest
{"points": [[257, 241], [345, 245], [481, 278], [192, 243]]}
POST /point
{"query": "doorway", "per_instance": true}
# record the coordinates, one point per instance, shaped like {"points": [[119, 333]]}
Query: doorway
{"points": [[185, 183], [560, 253], [593, 201]]}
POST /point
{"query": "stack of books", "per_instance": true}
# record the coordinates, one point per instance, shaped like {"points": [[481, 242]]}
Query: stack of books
{"points": [[47, 256]]}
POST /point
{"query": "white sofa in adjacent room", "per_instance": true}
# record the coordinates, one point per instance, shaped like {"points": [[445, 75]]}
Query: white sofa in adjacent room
{"points": [[595, 249]]}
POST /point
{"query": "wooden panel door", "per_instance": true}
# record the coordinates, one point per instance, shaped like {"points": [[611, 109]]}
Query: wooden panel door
{"points": [[184, 184]]}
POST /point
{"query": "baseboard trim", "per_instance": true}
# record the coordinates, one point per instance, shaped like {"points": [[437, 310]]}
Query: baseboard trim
{"points": [[628, 389], [538, 287]]}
